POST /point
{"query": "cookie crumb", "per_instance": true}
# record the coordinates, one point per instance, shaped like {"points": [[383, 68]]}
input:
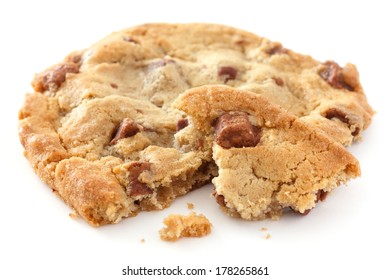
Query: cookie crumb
{"points": [[142, 240], [263, 229], [268, 236], [177, 226], [73, 215], [190, 205]]}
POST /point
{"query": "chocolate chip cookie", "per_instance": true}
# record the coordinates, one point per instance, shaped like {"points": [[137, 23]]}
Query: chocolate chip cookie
{"points": [[101, 132], [268, 159]]}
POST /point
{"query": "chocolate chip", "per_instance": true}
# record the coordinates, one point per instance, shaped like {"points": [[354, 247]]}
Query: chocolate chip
{"points": [[220, 199], [338, 114], [277, 49], [55, 76], [342, 116], [127, 128], [58, 74], [356, 131], [135, 187], [333, 74], [278, 81], [113, 85], [182, 123], [321, 195], [227, 73], [233, 129]]}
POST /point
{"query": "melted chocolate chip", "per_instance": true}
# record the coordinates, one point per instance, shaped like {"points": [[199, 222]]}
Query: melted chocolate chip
{"points": [[233, 129], [333, 74], [342, 116], [55, 76], [338, 114], [135, 187], [277, 49], [321, 195], [113, 85], [278, 81], [220, 199], [182, 123], [356, 131], [227, 73], [127, 128]]}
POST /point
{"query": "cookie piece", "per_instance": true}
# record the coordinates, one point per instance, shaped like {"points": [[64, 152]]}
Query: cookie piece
{"points": [[109, 159], [268, 159], [178, 226], [100, 131]]}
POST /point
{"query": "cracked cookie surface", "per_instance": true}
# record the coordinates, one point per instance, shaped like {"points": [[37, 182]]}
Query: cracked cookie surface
{"points": [[100, 130], [268, 159]]}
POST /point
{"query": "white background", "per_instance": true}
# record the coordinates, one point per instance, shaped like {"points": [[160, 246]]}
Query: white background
{"points": [[345, 237]]}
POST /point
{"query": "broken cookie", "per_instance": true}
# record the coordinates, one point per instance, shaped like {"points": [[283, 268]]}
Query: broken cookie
{"points": [[100, 130], [267, 158]]}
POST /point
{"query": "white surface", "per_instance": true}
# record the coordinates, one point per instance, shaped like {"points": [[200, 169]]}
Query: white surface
{"points": [[345, 237]]}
